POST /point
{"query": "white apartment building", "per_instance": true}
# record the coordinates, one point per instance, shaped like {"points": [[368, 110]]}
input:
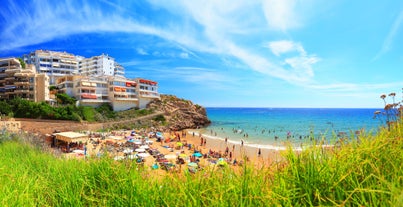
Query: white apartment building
{"points": [[147, 91], [119, 70], [89, 91], [121, 93], [100, 65], [52, 63]]}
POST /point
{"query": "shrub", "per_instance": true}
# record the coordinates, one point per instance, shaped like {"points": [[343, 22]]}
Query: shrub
{"points": [[160, 118], [65, 99]]}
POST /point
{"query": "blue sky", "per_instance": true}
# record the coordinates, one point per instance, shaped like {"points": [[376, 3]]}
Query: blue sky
{"points": [[273, 53]]}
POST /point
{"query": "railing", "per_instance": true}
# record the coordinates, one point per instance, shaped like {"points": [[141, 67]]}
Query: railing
{"points": [[21, 91], [22, 83]]}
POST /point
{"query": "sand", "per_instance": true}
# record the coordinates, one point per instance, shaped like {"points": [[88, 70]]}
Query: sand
{"points": [[240, 153]]}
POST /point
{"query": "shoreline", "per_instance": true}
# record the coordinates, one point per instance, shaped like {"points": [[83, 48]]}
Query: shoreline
{"points": [[268, 153]]}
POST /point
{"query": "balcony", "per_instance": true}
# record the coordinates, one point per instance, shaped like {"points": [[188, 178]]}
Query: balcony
{"points": [[125, 99], [22, 83], [21, 91], [13, 70], [88, 96], [149, 95], [94, 101]]}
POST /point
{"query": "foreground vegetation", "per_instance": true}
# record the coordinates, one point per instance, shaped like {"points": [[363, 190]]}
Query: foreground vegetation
{"points": [[363, 172]]}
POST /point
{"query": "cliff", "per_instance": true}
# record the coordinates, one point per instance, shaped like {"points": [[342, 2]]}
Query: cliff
{"points": [[179, 113]]}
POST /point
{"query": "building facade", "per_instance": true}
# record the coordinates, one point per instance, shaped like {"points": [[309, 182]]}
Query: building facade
{"points": [[147, 91], [52, 63], [100, 65], [92, 81], [24, 83], [121, 93], [89, 91]]}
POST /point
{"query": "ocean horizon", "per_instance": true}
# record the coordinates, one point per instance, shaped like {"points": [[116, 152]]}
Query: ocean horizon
{"points": [[274, 128]]}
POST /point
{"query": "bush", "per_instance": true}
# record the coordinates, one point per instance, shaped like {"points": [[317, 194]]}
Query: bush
{"points": [[106, 111], [160, 118], [65, 99], [5, 108]]}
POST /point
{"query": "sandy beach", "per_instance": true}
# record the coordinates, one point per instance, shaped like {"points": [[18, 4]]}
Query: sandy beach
{"points": [[239, 151], [212, 148]]}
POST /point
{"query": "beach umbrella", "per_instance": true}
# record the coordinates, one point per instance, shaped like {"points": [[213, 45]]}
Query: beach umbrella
{"points": [[179, 144], [170, 156], [144, 146], [222, 162], [143, 155], [159, 135], [78, 151], [129, 137], [182, 155], [140, 150], [119, 158], [137, 142], [149, 142], [127, 151], [192, 164], [132, 157], [197, 154]]}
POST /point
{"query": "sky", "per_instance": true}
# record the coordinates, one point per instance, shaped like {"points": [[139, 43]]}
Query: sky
{"points": [[228, 53]]}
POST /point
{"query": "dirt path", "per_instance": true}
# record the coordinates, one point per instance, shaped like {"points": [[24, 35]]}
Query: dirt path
{"points": [[46, 126]]}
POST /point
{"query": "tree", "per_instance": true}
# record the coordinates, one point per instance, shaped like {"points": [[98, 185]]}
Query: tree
{"points": [[23, 65], [65, 99]]}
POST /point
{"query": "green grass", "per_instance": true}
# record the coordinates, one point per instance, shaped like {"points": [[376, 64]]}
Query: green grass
{"points": [[366, 172]]}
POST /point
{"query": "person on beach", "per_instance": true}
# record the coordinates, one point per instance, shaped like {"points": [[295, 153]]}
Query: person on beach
{"points": [[259, 153], [201, 141], [205, 140]]}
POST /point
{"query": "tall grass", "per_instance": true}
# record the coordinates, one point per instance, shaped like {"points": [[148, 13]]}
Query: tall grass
{"points": [[34, 178], [363, 172]]}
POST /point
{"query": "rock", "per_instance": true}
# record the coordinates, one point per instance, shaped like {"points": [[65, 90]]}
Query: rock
{"points": [[180, 113]]}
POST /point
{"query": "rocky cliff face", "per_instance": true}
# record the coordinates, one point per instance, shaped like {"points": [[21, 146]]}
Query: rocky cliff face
{"points": [[179, 113]]}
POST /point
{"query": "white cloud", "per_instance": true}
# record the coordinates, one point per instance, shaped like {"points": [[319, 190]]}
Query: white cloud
{"points": [[141, 51], [219, 25], [285, 46], [353, 87], [184, 55], [295, 57], [281, 14], [387, 44], [302, 65]]}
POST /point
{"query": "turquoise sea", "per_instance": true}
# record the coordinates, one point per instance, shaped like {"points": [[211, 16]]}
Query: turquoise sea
{"points": [[273, 127]]}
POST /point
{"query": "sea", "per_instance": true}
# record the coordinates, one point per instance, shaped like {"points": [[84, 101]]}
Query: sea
{"points": [[277, 128]]}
